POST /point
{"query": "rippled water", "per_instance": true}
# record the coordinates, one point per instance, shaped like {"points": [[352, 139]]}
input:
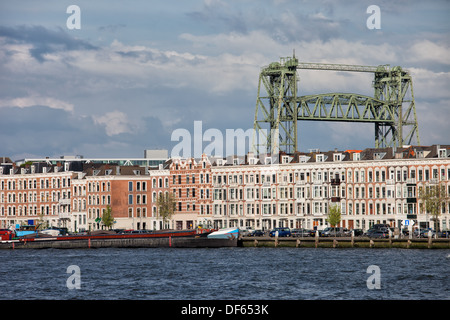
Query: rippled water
{"points": [[225, 273]]}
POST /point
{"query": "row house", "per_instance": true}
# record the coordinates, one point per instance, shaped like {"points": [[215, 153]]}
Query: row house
{"points": [[130, 191], [262, 192], [34, 194], [370, 186], [55, 196], [191, 184]]}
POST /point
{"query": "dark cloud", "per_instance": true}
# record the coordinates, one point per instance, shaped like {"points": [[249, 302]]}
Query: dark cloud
{"points": [[44, 131], [44, 41], [219, 16], [286, 23], [167, 69], [112, 28]]}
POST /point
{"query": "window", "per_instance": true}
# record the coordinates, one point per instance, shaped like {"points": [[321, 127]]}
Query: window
{"points": [[130, 199], [130, 186]]}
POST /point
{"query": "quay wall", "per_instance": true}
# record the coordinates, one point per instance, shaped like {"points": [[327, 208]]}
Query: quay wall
{"points": [[310, 242], [359, 242]]}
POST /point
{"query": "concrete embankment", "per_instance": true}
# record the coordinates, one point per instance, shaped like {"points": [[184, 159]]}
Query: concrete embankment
{"points": [[347, 242]]}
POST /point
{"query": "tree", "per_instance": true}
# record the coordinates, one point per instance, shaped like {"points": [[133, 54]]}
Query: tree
{"points": [[166, 203], [433, 199], [107, 217], [334, 215]]}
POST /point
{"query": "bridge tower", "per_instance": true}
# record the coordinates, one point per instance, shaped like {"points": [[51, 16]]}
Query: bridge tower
{"points": [[279, 107]]}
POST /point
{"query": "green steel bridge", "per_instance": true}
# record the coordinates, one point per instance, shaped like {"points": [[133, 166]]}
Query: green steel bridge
{"points": [[279, 107]]}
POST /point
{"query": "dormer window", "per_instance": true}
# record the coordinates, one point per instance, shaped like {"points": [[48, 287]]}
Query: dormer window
{"points": [[319, 158], [337, 157], [356, 157], [442, 153], [378, 155], [285, 159]]}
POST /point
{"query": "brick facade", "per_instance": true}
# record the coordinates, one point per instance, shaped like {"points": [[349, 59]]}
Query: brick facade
{"points": [[370, 186]]}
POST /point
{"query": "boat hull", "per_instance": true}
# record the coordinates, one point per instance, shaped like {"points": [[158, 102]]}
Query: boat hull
{"points": [[175, 239], [228, 233], [161, 242]]}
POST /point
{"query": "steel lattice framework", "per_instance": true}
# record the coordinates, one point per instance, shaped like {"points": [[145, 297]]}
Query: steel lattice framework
{"points": [[391, 109]]}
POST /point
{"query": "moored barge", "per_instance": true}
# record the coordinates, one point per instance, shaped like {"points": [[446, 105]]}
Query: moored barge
{"points": [[193, 238]]}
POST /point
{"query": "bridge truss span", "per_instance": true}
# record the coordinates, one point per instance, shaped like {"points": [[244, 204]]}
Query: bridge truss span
{"points": [[279, 107], [344, 107]]}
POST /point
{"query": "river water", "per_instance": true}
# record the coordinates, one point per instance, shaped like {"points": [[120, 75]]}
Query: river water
{"points": [[225, 273]]}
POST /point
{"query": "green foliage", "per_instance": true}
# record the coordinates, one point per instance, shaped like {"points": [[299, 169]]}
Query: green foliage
{"points": [[166, 203], [334, 215], [107, 217], [432, 199]]}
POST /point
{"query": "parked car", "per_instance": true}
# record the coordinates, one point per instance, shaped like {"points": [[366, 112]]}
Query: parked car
{"points": [[357, 232], [426, 232], [333, 232], [246, 232], [444, 234], [377, 233], [256, 233], [282, 232], [300, 233], [381, 226]]}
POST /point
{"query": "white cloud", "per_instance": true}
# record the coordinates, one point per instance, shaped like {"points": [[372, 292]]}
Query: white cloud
{"points": [[115, 122], [26, 102], [427, 51], [430, 85]]}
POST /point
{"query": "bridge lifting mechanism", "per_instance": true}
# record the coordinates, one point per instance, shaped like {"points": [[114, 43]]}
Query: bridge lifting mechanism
{"points": [[278, 107]]}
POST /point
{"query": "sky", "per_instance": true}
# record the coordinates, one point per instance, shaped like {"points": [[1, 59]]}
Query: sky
{"points": [[136, 71]]}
